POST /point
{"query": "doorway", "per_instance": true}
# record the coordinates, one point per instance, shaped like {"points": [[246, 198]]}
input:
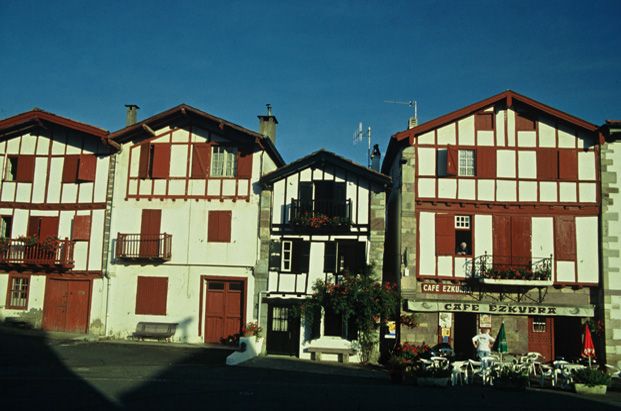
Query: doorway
{"points": [[464, 328], [224, 309], [567, 337], [66, 305], [283, 330], [541, 336]]}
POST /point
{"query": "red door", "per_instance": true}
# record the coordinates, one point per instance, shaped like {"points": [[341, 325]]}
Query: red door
{"points": [[150, 233], [223, 309], [66, 305], [540, 336]]}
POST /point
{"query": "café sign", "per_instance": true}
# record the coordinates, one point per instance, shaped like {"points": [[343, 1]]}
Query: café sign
{"points": [[444, 288], [500, 308]]}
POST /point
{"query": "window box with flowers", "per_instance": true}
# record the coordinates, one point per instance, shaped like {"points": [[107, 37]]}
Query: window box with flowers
{"points": [[537, 273]]}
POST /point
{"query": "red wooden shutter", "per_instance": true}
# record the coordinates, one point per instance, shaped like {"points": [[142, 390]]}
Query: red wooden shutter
{"points": [[520, 241], [524, 123], [486, 162], [48, 227], [244, 164], [219, 226], [452, 160], [547, 164], [70, 169], [151, 295], [445, 234], [502, 241], [161, 161], [150, 233], [145, 158], [200, 160], [25, 169], [81, 229], [565, 238], [34, 224], [484, 121], [568, 164], [88, 168]]}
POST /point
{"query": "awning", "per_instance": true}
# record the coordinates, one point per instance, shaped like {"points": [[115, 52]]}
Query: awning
{"points": [[500, 308]]}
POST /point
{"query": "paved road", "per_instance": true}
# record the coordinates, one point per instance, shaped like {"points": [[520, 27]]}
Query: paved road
{"points": [[43, 373]]}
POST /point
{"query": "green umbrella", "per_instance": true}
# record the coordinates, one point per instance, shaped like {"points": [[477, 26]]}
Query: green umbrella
{"points": [[501, 340]]}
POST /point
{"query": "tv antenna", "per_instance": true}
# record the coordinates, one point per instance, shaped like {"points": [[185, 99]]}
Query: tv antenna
{"points": [[359, 135], [412, 121]]}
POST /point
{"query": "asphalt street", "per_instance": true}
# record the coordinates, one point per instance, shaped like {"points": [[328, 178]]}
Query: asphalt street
{"points": [[39, 372]]}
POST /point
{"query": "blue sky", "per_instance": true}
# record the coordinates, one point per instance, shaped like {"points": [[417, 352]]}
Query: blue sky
{"points": [[323, 65]]}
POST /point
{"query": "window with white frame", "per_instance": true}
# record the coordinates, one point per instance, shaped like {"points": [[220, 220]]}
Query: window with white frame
{"points": [[285, 262], [539, 324], [223, 161], [18, 292], [462, 221], [463, 235], [466, 163]]}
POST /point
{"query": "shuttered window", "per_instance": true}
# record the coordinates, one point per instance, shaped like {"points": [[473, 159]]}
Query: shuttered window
{"points": [[88, 168], [223, 161], [452, 158], [301, 256], [161, 161], [151, 295], [25, 169], [219, 227], [568, 165], [81, 228], [466, 163], [200, 160], [445, 234], [565, 238], [244, 164], [547, 164], [144, 165], [486, 162], [274, 258], [17, 291], [70, 169], [10, 168], [484, 121]]}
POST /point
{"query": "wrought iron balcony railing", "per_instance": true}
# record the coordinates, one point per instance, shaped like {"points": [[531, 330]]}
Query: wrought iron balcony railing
{"points": [[49, 253], [321, 213], [510, 270], [144, 246]]}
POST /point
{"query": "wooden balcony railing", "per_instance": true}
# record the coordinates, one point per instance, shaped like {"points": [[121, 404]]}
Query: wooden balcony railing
{"points": [[48, 253], [511, 270], [321, 213], [144, 246]]}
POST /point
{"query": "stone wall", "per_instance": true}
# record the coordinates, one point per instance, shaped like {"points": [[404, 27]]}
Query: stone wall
{"points": [[377, 232], [610, 248], [408, 222], [261, 269]]}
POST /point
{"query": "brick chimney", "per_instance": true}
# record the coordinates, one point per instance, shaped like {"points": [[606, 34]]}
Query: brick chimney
{"points": [[131, 114], [267, 124]]}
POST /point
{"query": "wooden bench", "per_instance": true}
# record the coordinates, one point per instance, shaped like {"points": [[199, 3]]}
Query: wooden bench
{"points": [[157, 331], [343, 353]]}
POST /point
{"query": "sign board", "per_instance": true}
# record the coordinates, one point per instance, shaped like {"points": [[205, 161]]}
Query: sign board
{"points": [[485, 321], [501, 308], [392, 330], [436, 288]]}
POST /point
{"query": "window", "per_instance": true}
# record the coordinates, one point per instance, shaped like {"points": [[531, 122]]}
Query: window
{"points": [[463, 235], [335, 325], [223, 161], [539, 324], [200, 160], [10, 169], [6, 224], [285, 263], [17, 297], [565, 238], [79, 168], [280, 318], [345, 256], [219, 226], [466, 163], [151, 295], [154, 161]]}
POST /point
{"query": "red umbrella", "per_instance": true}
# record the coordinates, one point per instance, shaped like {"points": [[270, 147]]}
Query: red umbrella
{"points": [[588, 349]]}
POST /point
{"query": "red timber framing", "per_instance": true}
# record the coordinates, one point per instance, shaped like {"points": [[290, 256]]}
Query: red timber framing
{"points": [[204, 280]]}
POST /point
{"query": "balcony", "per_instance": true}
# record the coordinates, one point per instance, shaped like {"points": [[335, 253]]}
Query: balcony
{"points": [[512, 271], [144, 247], [28, 252], [320, 214]]}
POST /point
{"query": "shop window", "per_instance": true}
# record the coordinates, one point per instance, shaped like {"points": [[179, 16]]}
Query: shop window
{"points": [[223, 161], [539, 324], [6, 225], [219, 227], [466, 163], [151, 295], [17, 296], [463, 235]]}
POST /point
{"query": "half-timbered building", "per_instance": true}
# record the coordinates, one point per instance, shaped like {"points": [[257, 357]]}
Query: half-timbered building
{"points": [[185, 223], [322, 216], [53, 196], [494, 217]]}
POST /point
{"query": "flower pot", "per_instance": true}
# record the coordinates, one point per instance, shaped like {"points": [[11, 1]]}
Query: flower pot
{"points": [[432, 381], [590, 390]]}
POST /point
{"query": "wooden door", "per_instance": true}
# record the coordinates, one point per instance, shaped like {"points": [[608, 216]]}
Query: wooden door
{"points": [[66, 305], [150, 233], [541, 336], [223, 309], [283, 333]]}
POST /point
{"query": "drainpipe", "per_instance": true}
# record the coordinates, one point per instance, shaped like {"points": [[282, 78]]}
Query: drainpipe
{"points": [[106, 236]]}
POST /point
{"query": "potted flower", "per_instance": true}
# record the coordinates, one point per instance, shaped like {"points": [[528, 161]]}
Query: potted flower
{"points": [[591, 381], [433, 376], [396, 368], [251, 337]]}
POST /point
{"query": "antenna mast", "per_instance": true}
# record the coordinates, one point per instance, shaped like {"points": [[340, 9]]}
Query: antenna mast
{"points": [[412, 121], [359, 135]]}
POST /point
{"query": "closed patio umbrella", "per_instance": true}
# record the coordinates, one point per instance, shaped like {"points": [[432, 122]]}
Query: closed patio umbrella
{"points": [[588, 349], [501, 340]]}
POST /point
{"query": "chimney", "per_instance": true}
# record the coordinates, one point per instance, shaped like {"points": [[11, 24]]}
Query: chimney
{"points": [[376, 158], [412, 122], [131, 114], [267, 124]]}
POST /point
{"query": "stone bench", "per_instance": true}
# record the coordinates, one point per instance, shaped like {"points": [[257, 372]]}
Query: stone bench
{"points": [[343, 353], [153, 330]]}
